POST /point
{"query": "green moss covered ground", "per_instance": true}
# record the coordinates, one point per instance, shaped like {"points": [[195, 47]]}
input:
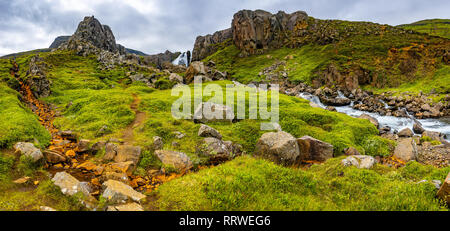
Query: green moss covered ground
{"points": [[250, 184], [438, 27]]}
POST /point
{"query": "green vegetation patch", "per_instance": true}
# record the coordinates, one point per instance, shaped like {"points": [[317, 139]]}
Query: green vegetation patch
{"points": [[18, 123], [254, 184], [438, 27]]}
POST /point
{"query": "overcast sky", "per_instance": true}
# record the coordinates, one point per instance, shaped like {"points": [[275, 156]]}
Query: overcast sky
{"points": [[152, 26]]}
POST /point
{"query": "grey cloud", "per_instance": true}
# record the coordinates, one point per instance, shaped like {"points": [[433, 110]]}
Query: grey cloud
{"points": [[174, 24]]}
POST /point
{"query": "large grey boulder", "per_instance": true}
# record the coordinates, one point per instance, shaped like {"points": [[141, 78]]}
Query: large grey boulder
{"points": [[128, 153], [214, 149], [212, 112], [417, 128], [178, 160], [407, 132], [406, 149], [359, 161], [118, 192], [28, 149], [69, 185], [279, 147], [314, 149], [175, 78], [207, 131]]}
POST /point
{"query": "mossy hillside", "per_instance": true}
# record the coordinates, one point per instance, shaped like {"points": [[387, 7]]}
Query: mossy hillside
{"points": [[88, 97], [302, 67], [438, 27], [296, 117], [437, 83], [390, 57], [251, 184], [18, 123]]}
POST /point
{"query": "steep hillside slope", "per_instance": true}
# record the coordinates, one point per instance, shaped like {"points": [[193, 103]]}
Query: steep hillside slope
{"points": [[331, 52], [438, 27]]}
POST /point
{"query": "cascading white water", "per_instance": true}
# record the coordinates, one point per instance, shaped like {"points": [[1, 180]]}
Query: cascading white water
{"points": [[312, 98], [441, 125], [181, 59]]}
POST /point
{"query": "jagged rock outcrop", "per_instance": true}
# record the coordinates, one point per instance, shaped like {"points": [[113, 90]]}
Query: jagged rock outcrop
{"points": [[204, 45], [256, 30], [91, 32], [58, 41]]}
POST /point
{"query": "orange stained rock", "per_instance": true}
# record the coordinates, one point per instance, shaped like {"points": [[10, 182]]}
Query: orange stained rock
{"points": [[88, 166], [95, 181], [71, 153]]}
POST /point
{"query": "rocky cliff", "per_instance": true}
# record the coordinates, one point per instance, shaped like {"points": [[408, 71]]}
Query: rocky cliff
{"points": [[205, 45], [255, 30], [91, 32], [161, 58]]}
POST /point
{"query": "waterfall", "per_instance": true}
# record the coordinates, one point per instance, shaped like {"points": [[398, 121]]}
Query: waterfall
{"points": [[181, 60]]}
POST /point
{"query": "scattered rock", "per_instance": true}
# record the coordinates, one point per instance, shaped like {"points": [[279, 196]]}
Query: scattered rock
{"points": [[118, 192], [46, 209], [405, 133], [70, 135], [117, 176], [28, 149], [195, 69], [351, 151], [444, 191], [371, 119], [22, 180], [54, 157], [158, 143], [406, 150], [314, 149], [126, 167], [214, 149], [207, 131], [98, 146], [417, 128], [130, 207], [279, 147], [331, 108], [359, 161], [69, 185], [434, 135], [175, 78], [83, 145], [128, 153], [179, 135], [178, 160], [110, 151], [212, 112]]}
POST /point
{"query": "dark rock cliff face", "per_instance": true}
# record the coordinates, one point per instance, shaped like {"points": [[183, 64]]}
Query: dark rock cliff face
{"points": [[58, 41], [91, 31], [261, 30], [204, 45], [161, 58]]}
